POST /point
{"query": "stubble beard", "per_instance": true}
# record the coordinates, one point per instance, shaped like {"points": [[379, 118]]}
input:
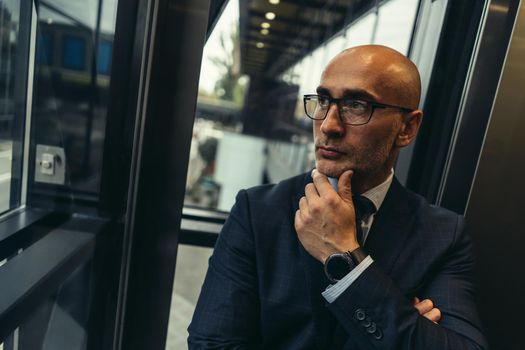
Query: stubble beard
{"points": [[370, 163]]}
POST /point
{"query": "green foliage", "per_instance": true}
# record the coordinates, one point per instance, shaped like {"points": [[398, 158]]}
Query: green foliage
{"points": [[232, 85]]}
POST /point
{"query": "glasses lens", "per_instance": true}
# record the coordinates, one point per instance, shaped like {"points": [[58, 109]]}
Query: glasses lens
{"points": [[355, 112], [313, 108]]}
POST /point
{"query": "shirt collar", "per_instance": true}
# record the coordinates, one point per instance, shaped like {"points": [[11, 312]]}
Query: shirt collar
{"points": [[376, 194]]}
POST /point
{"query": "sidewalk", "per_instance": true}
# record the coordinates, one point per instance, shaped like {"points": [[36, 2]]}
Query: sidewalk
{"points": [[5, 174]]}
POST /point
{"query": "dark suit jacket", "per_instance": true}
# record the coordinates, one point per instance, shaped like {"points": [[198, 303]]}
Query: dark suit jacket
{"points": [[263, 290]]}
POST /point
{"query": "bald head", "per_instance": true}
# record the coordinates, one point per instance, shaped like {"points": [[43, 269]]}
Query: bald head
{"points": [[391, 74]]}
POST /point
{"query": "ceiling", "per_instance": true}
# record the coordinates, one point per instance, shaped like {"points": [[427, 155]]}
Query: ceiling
{"points": [[298, 28]]}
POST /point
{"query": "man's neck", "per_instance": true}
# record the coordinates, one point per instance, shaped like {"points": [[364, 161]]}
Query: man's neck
{"points": [[359, 187], [361, 184]]}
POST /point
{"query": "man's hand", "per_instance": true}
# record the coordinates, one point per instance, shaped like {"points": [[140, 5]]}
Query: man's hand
{"points": [[426, 308], [325, 221]]}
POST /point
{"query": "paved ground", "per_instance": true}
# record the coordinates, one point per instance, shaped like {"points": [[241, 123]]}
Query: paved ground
{"points": [[5, 174], [192, 263]]}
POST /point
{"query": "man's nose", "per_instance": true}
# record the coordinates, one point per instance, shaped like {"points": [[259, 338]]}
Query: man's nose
{"points": [[333, 124]]}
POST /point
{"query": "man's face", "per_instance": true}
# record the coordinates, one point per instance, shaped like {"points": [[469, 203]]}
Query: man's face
{"points": [[368, 149]]}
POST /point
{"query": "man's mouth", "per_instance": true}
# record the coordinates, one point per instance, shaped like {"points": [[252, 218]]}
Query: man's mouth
{"points": [[329, 152]]}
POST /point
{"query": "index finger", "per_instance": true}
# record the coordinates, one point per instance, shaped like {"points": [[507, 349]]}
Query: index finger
{"points": [[321, 183]]}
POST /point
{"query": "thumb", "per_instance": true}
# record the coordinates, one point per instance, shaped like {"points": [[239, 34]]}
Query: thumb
{"points": [[344, 185]]}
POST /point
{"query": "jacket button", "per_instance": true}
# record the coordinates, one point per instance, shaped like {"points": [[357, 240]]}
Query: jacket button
{"points": [[360, 314], [366, 322], [378, 334], [372, 328]]}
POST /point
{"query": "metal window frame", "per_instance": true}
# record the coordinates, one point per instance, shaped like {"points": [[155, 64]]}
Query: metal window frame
{"points": [[22, 124], [175, 33], [51, 246], [477, 103], [444, 96]]}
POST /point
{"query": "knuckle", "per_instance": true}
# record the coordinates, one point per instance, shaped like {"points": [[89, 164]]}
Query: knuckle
{"points": [[306, 219], [315, 208], [331, 200]]}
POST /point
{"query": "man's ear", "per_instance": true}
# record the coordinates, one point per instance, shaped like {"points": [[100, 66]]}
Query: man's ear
{"points": [[410, 126]]}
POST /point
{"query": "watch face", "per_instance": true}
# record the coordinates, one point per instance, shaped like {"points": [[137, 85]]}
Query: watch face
{"points": [[337, 266]]}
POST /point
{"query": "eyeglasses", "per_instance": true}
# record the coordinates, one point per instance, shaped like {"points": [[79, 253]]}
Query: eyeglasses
{"points": [[351, 111]]}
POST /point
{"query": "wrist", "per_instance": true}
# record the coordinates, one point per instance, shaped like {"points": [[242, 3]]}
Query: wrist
{"points": [[338, 265], [349, 247], [357, 255]]}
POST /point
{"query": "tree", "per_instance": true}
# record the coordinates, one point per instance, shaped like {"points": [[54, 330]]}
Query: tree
{"points": [[231, 86]]}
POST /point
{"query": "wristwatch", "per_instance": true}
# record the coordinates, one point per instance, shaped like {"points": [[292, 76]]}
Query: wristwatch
{"points": [[338, 265]]}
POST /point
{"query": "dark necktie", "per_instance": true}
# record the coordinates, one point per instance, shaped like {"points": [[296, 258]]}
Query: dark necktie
{"points": [[363, 209]]}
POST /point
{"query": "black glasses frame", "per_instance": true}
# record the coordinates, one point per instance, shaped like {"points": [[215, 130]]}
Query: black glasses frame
{"points": [[337, 101]]}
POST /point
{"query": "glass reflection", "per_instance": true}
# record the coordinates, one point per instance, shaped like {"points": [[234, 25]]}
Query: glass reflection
{"points": [[14, 41], [254, 74], [72, 74], [250, 126], [72, 66]]}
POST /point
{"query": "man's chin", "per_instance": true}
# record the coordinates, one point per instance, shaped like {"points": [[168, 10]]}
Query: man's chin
{"points": [[331, 170]]}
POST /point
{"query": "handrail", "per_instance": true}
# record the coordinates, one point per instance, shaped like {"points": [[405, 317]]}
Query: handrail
{"points": [[15, 229], [38, 271]]}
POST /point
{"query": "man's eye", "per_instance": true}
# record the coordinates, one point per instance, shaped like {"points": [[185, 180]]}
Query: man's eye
{"points": [[324, 101], [356, 105]]}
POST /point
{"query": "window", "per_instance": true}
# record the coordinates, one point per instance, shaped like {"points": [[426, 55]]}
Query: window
{"points": [[250, 128], [74, 52], [104, 57], [14, 53], [44, 50], [70, 100], [44, 105]]}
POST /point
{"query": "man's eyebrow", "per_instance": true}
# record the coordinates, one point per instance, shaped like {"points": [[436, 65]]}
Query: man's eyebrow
{"points": [[322, 91], [348, 93]]}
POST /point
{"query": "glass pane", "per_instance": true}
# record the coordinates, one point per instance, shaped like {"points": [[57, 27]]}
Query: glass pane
{"points": [[14, 46], [61, 321], [250, 126], [73, 52], [192, 263], [70, 99], [395, 24], [239, 139]]}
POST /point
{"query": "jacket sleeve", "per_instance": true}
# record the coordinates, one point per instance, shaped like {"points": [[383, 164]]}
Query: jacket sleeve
{"points": [[227, 312], [377, 315]]}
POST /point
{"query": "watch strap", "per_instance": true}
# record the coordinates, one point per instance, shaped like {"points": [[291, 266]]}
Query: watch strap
{"points": [[357, 255]]}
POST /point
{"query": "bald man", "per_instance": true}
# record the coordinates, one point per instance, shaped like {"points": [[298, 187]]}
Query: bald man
{"points": [[344, 256]]}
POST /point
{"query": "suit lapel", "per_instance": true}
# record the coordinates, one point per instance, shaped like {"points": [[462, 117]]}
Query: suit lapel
{"points": [[391, 228]]}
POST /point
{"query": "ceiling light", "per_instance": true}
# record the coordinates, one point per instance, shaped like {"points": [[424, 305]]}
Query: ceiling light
{"points": [[270, 15], [259, 45], [265, 25], [274, 2], [265, 31]]}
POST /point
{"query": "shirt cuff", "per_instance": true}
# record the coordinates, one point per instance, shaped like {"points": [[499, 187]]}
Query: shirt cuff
{"points": [[333, 291]]}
